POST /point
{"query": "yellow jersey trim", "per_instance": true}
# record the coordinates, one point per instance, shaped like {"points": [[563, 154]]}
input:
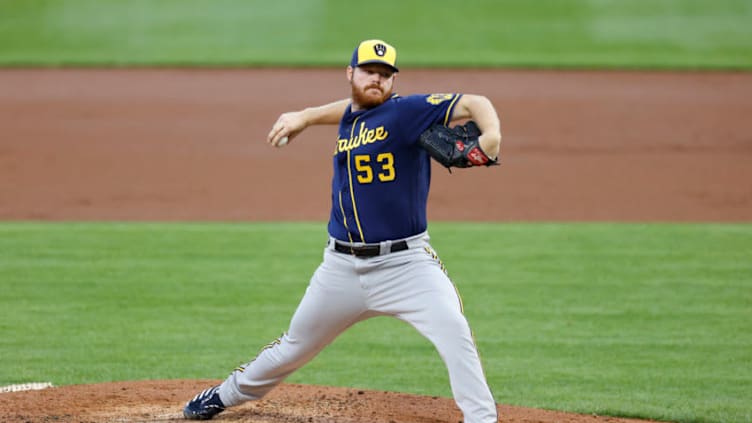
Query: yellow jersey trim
{"points": [[344, 216], [352, 189], [450, 109]]}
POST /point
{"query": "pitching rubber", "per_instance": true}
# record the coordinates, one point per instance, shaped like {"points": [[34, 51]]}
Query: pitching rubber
{"points": [[33, 386]]}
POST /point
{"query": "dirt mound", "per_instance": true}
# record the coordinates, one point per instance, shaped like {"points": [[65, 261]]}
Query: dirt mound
{"points": [[162, 401]]}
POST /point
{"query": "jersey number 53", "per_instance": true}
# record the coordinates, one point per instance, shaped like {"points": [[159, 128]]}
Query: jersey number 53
{"points": [[383, 165]]}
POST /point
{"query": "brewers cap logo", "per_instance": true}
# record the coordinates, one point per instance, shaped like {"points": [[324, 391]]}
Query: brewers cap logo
{"points": [[374, 51]]}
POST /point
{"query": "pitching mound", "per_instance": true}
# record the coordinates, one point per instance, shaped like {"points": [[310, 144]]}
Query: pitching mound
{"points": [[162, 401]]}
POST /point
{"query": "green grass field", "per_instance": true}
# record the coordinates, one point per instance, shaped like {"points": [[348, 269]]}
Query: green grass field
{"points": [[681, 34], [617, 319]]}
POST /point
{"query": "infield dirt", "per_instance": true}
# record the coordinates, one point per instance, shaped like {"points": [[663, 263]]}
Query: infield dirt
{"points": [[188, 145]]}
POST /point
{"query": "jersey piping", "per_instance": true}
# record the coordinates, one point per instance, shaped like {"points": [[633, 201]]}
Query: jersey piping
{"points": [[352, 192], [344, 217], [352, 195], [450, 109]]}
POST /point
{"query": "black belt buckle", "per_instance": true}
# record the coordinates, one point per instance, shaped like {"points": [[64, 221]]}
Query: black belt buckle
{"points": [[365, 251], [368, 250]]}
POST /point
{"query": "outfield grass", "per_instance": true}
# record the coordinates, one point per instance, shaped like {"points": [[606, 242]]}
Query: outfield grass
{"points": [[683, 34], [617, 319]]}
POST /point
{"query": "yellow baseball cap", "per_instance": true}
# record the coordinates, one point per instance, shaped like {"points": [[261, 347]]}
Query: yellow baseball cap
{"points": [[374, 51]]}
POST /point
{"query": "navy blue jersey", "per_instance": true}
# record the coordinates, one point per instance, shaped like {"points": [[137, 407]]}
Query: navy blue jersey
{"points": [[381, 174]]}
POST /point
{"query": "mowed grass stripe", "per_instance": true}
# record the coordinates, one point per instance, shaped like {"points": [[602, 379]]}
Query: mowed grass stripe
{"points": [[678, 34]]}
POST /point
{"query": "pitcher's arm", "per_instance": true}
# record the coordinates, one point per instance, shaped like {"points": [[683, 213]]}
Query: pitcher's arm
{"points": [[291, 124]]}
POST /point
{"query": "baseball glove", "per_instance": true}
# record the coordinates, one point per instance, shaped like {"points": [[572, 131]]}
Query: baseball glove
{"points": [[455, 147]]}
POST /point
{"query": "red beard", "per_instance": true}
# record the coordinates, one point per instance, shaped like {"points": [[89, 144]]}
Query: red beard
{"points": [[369, 100]]}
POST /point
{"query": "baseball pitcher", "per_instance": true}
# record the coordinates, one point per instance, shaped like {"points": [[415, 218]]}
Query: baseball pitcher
{"points": [[378, 260]]}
